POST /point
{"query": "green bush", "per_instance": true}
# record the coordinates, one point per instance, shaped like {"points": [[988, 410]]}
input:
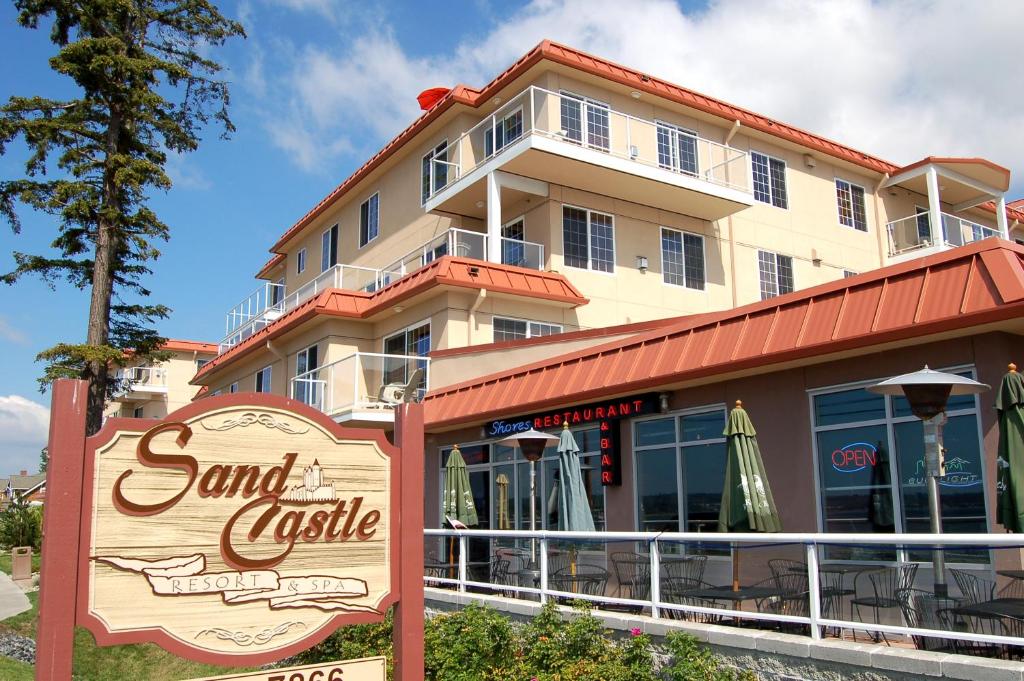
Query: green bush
{"points": [[480, 644], [21, 525]]}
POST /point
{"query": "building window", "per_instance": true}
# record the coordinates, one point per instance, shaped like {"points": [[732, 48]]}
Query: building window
{"points": [[849, 273], [507, 129], [329, 249], [850, 199], [682, 258], [300, 261], [233, 388], [506, 329], [404, 347], [588, 239], [306, 386], [513, 248], [680, 471], [579, 115], [924, 228], [870, 460], [200, 363], [369, 220], [677, 148], [769, 179], [776, 274], [138, 412], [263, 380], [435, 171]]}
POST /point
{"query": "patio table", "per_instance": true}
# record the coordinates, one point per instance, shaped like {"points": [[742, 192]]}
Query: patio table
{"points": [[998, 607], [1012, 574], [726, 593]]}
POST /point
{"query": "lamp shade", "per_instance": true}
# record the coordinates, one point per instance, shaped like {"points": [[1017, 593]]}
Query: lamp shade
{"points": [[531, 442], [927, 390]]}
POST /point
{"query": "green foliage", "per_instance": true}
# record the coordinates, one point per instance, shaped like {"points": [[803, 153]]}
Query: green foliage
{"points": [[480, 644], [146, 88], [44, 459], [21, 525]]}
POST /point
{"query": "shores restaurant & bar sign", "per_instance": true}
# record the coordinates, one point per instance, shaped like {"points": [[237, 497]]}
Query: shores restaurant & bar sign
{"points": [[239, 530]]}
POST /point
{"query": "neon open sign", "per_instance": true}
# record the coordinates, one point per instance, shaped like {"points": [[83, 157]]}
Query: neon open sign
{"points": [[854, 457]]}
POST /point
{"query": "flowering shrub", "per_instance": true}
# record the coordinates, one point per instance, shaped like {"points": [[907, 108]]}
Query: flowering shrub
{"points": [[480, 644]]}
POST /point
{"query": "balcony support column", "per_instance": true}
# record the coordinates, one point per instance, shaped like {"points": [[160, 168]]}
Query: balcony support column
{"points": [[934, 207], [1004, 231], [493, 218]]}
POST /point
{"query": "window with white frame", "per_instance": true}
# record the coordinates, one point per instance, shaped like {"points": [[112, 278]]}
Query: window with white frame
{"points": [[513, 248], [923, 220], [677, 148], [215, 393], [329, 249], [507, 128], [585, 121], [682, 258], [871, 476], [588, 239], [776, 274], [369, 220], [263, 380], [508, 329], [403, 348], [300, 261], [200, 363], [306, 386], [435, 171], [138, 412], [680, 470], [850, 200], [769, 179], [233, 388], [849, 273]]}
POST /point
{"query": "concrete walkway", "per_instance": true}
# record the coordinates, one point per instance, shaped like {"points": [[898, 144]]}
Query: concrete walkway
{"points": [[12, 599]]}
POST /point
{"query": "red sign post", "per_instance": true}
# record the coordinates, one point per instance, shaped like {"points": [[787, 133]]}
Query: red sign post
{"points": [[240, 529]]}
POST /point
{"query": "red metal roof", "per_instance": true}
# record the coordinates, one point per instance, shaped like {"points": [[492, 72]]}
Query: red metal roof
{"points": [[567, 56], [276, 260], [958, 289], [189, 346], [445, 271]]}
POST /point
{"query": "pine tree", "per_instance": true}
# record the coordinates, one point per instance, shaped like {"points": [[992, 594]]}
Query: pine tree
{"points": [[146, 87]]}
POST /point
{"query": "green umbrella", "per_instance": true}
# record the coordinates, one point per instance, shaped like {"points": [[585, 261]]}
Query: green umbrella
{"points": [[1010, 462], [573, 505], [747, 503], [458, 495]]}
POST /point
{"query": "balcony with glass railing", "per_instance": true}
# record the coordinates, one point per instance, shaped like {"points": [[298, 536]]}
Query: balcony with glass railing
{"points": [[139, 383], [913, 233], [269, 302], [364, 386], [573, 141]]}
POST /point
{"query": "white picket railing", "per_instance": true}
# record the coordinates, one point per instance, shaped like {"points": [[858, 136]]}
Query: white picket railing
{"points": [[135, 378], [914, 232], [813, 545], [592, 125], [361, 381]]}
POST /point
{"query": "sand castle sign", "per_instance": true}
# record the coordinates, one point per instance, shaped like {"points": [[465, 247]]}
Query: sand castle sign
{"points": [[237, 530]]}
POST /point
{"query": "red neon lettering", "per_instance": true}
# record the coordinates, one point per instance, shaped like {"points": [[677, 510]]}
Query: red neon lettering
{"points": [[606, 443], [605, 426], [606, 460], [599, 412], [612, 411], [606, 477]]}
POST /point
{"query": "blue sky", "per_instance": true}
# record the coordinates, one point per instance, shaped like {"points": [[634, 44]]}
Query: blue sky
{"points": [[320, 85]]}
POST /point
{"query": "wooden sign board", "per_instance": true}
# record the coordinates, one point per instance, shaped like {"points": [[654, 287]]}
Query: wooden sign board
{"points": [[239, 530], [365, 669]]}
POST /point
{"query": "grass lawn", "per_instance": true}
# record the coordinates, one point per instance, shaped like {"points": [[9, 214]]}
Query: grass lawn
{"points": [[144, 662]]}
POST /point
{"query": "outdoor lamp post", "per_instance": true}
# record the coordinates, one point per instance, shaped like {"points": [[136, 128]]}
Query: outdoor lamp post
{"points": [[532, 444], [927, 392]]}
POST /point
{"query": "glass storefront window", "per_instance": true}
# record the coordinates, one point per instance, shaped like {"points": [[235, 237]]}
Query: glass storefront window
{"points": [[680, 472], [871, 472]]}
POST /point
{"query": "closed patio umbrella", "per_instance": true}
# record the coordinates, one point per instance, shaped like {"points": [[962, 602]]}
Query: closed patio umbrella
{"points": [[747, 503], [458, 495], [573, 505], [1010, 461]]}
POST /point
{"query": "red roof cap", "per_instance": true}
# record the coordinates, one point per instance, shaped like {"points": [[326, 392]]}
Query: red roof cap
{"points": [[428, 98]]}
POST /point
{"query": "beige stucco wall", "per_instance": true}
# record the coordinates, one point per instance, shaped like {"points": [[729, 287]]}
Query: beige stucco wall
{"points": [[178, 371]]}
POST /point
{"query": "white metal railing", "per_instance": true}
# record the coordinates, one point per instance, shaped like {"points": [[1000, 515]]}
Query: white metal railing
{"points": [[351, 277], [361, 381], [809, 545], [253, 305], [134, 378], [466, 244], [585, 123], [914, 232]]}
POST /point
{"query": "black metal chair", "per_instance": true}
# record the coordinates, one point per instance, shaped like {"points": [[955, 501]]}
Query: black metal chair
{"points": [[924, 610], [974, 587], [793, 598], [501, 575], [784, 566], [632, 574], [678, 590], [586, 579], [689, 568], [1013, 626], [885, 582]]}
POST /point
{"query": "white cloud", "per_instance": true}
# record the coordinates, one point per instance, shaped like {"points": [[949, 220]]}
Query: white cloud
{"points": [[184, 174], [897, 79], [10, 333], [25, 426]]}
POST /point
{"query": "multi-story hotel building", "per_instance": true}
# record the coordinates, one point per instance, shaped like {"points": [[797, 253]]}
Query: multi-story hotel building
{"points": [[568, 194], [155, 389]]}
